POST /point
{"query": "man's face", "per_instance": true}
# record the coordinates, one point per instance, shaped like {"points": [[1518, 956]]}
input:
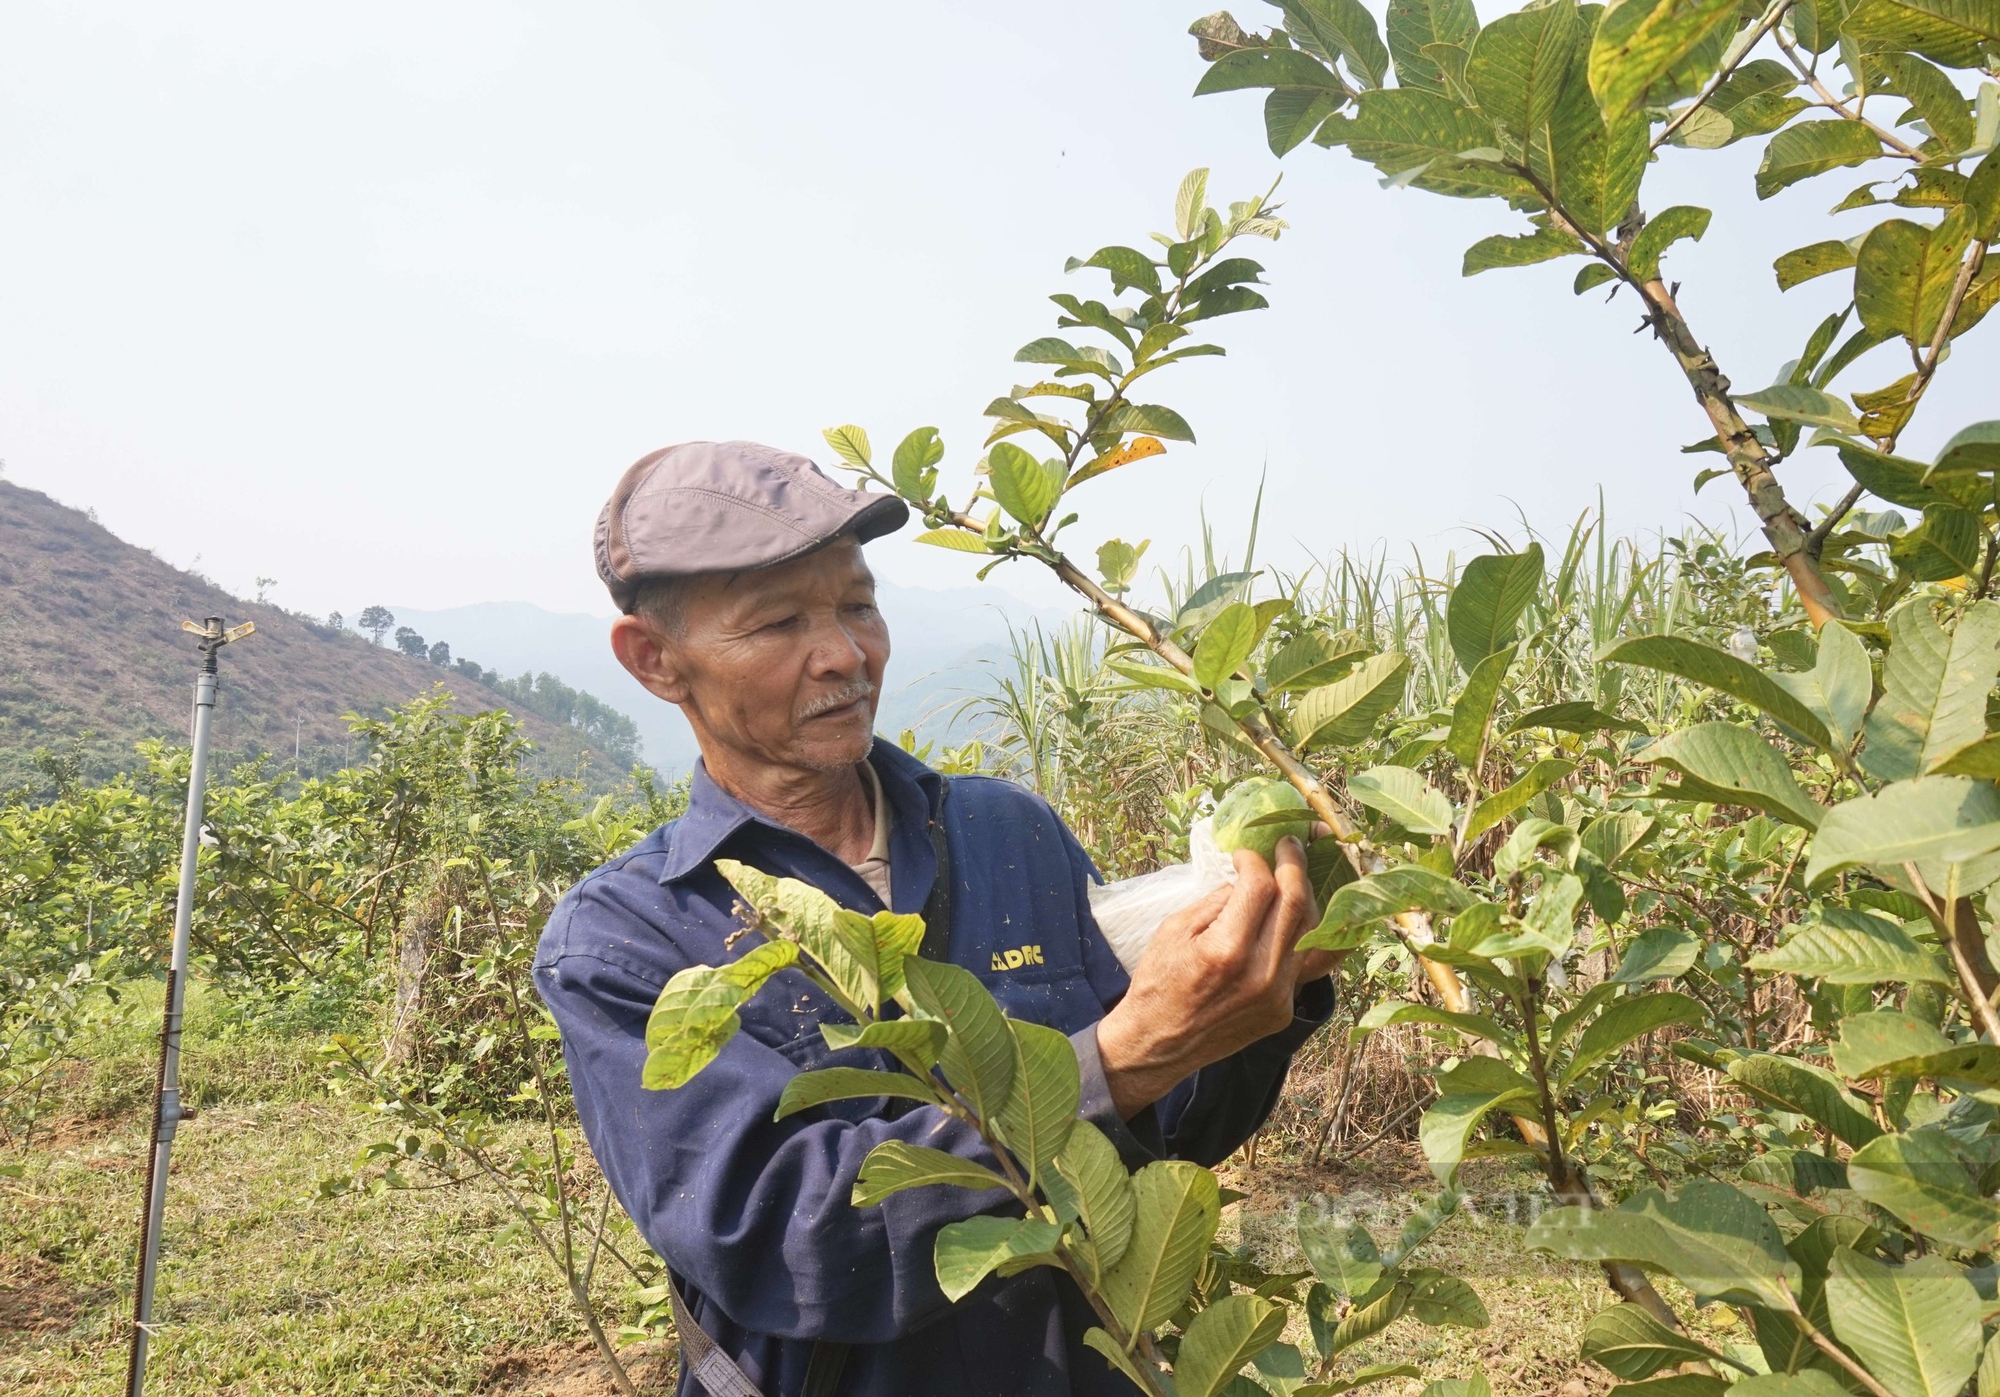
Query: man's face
{"points": [[782, 666]]}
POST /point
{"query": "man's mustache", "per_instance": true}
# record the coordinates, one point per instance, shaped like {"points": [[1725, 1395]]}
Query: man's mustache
{"points": [[839, 698]]}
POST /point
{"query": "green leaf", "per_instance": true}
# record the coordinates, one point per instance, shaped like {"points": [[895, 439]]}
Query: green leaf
{"points": [[1936, 823], [1474, 1386], [1951, 32], [1266, 67], [1839, 686], [1808, 1382], [1974, 451], [1448, 1123], [1311, 660], [1153, 676], [915, 463], [1795, 403], [1812, 148], [1485, 607], [1177, 1206], [1498, 250], [695, 1014], [1339, 29], [1720, 670], [1631, 1343], [1716, 1240], [1591, 167], [1902, 278], [978, 1057], [1129, 268], [1529, 838], [1090, 1184], [1345, 1259], [1415, 23], [1475, 707], [1150, 418], [1394, 1011], [1624, 1021], [1345, 712], [923, 1038], [1035, 1123], [1518, 65], [1889, 1042], [969, 1251], [1933, 689], [1222, 1338], [958, 540], [1920, 1179], [1731, 765], [1225, 644], [1816, 260], [1660, 953], [1611, 836], [1808, 1089], [1404, 797], [1847, 947], [1576, 716], [1668, 226], [895, 1165], [850, 443], [862, 956], [1117, 1357], [1410, 888], [1291, 114], [846, 1084], [1593, 275], [1504, 804], [1639, 42], [1916, 1326], [1947, 545], [1932, 96], [1437, 1299], [1026, 488], [1404, 130]]}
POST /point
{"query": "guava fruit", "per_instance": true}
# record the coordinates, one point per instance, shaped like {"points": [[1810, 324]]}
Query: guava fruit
{"points": [[1260, 795]]}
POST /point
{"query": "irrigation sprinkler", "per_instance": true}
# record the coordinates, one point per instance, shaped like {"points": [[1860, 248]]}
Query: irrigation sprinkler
{"points": [[167, 1092]]}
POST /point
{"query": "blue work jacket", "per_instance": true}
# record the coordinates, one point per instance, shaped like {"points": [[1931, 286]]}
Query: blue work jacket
{"points": [[753, 1214]]}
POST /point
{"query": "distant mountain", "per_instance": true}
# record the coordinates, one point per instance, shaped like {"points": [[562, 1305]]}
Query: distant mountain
{"points": [[945, 646], [91, 651]]}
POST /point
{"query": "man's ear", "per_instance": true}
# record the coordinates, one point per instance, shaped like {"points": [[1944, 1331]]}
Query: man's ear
{"points": [[649, 658]]}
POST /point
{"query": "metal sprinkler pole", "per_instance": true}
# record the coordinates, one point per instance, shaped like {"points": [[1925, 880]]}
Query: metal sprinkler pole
{"points": [[167, 1096]]}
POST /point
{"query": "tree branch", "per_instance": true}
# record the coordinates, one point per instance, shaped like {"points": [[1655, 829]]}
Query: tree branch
{"points": [[1835, 105], [1743, 44]]}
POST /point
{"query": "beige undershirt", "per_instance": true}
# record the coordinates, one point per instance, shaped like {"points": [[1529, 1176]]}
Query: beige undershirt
{"points": [[874, 869]]}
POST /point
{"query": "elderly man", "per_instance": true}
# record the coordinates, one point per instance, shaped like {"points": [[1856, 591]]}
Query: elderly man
{"points": [[747, 603]]}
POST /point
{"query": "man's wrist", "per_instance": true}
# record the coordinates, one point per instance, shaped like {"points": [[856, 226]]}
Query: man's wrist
{"points": [[1135, 1070]]}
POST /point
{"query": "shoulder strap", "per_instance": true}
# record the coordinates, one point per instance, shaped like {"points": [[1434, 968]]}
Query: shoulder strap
{"points": [[717, 1373], [937, 907]]}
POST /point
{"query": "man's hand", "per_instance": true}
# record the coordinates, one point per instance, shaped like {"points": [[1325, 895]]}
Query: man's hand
{"points": [[1219, 975]]}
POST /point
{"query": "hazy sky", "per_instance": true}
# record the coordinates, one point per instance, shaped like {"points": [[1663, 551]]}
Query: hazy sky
{"points": [[379, 299]]}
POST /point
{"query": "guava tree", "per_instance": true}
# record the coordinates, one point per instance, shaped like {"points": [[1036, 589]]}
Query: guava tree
{"points": [[1560, 111]]}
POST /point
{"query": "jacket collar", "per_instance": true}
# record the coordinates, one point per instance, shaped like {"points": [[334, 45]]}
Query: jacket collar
{"points": [[713, 816]]}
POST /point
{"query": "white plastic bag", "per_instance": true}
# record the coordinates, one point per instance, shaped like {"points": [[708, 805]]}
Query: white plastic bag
{"points": [[1130, 911]]}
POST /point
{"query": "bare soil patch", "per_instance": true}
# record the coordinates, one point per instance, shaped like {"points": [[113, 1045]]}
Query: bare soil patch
{"points": [[575, 1370], [34, 1298]]}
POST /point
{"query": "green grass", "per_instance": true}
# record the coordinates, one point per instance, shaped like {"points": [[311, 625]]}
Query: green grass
{"points": [[265, 1289], [262, 1289]]}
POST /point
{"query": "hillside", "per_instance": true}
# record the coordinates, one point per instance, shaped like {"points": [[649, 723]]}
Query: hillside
{"points": [[91, 648]]}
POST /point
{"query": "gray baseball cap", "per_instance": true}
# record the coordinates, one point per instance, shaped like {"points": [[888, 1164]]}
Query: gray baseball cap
{"points": [[726, 506]]}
